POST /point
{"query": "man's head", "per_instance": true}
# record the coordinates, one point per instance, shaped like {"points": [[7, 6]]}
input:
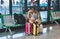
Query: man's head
{"points": [[33, 9]]}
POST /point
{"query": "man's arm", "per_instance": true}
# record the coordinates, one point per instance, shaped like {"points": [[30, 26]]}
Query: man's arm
{"points": [[28, 15], [38, 20]]}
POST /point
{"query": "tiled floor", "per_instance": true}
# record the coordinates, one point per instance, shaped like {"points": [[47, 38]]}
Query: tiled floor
{"points": [[51, 32]]}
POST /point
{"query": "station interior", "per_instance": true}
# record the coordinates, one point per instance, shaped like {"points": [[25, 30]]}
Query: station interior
{"points": [[49, 11]]}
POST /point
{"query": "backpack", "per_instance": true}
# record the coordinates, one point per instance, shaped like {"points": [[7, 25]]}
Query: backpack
{"points": [[19, 19]]}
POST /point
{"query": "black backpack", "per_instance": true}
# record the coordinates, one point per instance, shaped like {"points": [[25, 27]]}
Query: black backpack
{"points": [[19, 19]]}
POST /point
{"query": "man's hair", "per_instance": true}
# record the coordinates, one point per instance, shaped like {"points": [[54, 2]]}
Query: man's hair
{"points": [[32, 8]]}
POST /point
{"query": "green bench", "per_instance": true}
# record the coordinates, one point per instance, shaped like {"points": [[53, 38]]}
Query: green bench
{"points": [[7, 23], [55, 15]]}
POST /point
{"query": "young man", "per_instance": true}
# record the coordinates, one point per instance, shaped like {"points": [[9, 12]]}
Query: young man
{"points": [[33, 16]]}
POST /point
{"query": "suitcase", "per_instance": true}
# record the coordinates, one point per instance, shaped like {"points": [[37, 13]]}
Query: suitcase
{"points": [[36, 29], [28, 28]]}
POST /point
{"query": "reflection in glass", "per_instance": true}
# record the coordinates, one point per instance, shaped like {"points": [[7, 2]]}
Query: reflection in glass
{"points": [[18, 35], [50, 28]]}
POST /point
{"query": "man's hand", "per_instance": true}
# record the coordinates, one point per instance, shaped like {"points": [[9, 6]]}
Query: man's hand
{"points": [[31, 20], [38, 20]]}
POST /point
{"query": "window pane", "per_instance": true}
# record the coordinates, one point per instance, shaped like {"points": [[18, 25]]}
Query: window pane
{"points": [[53, 3], [43, 2], [17, 6], [31, 2], [43, 16], [4, 6]]}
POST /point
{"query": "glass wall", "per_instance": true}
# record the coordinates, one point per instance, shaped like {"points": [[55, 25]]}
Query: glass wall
{"points": [[4, 6], [17, 6]]}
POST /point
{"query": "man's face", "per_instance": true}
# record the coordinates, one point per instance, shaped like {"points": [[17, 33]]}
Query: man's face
{"points": [[33, 9]]}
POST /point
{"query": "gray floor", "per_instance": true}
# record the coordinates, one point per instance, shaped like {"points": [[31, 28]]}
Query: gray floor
{"points": [[51, 32]]}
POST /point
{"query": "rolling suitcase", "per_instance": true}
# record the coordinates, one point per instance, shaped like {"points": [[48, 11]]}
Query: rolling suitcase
{"points": [[36, 29], [28, 28]]}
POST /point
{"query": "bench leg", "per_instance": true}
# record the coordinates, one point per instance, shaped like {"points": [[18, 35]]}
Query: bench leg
{"points": [[57, 23], [11, 34], [6, 33]]}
